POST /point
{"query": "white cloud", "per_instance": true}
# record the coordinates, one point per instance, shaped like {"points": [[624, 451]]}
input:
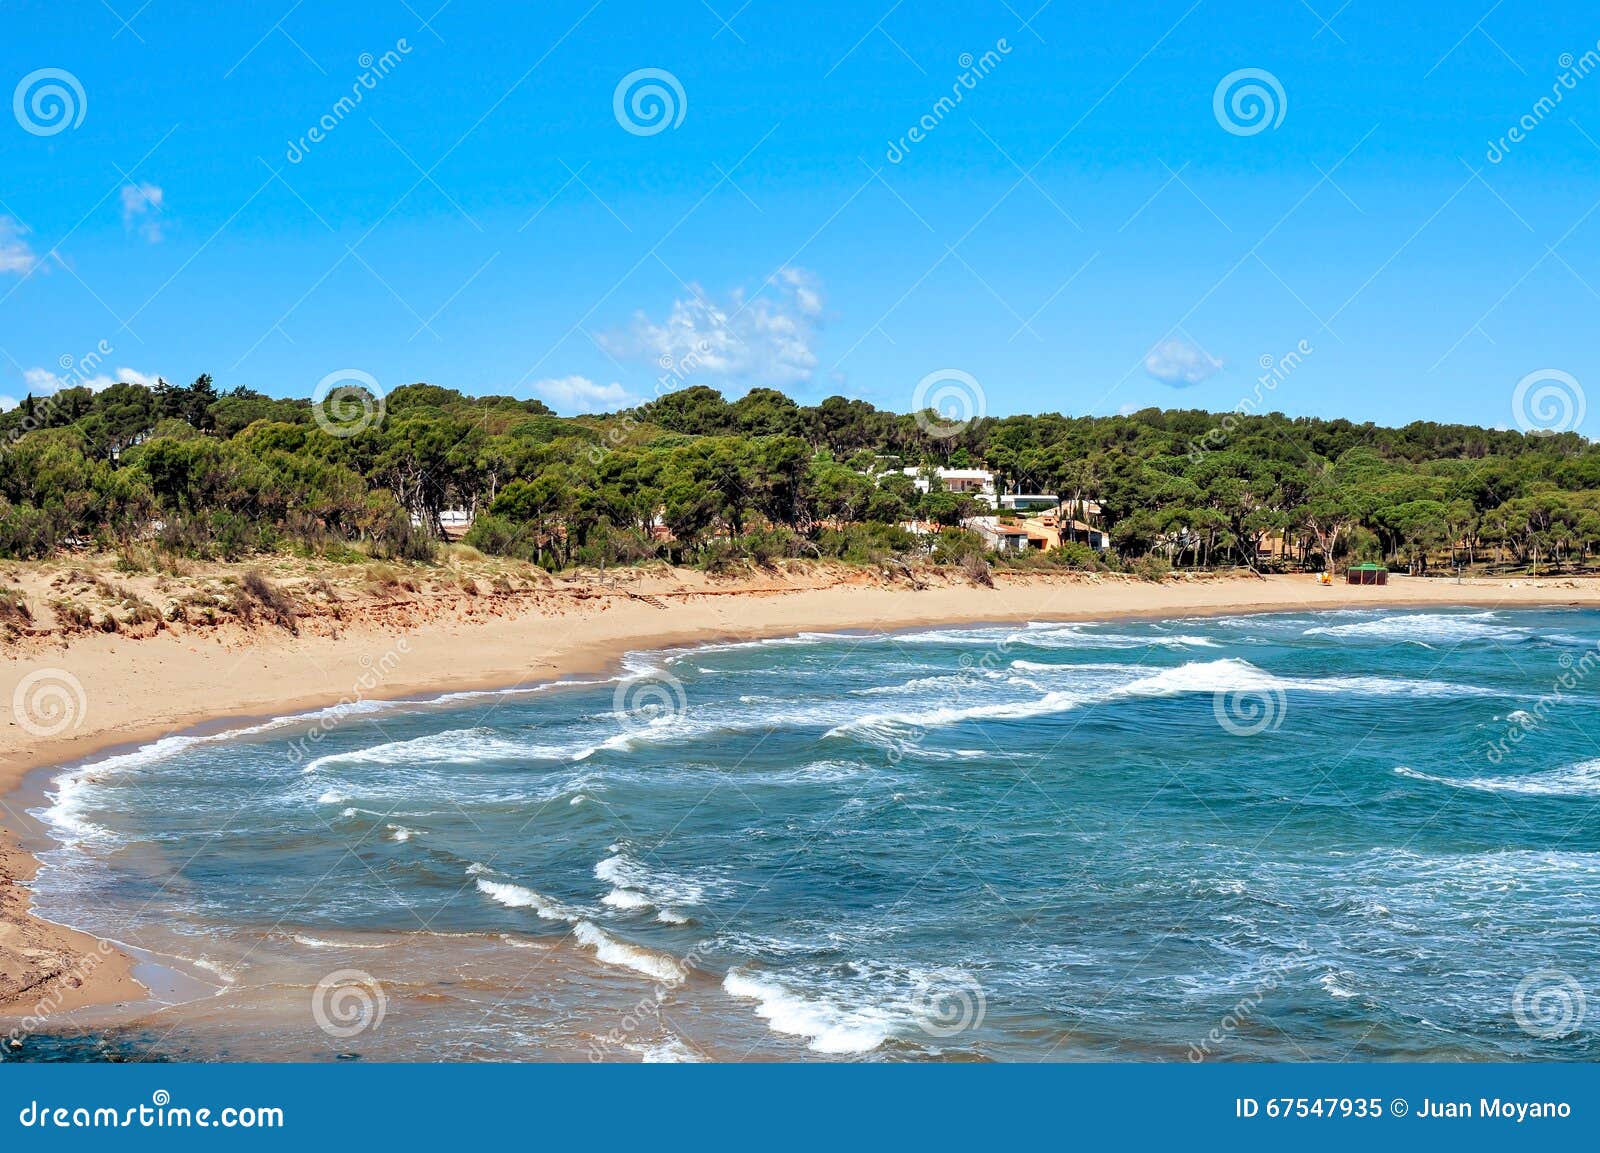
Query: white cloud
{"points": [[575, 394], [807, 290], [766, 340], [1180, 362], [141, 206], [43, 381], [15, 255]]}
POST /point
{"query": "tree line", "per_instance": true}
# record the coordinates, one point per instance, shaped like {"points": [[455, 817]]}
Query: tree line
{"points": [[694, 478]]}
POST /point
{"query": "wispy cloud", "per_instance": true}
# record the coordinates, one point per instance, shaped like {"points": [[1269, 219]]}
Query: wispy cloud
{"points": [[15, 255], [1180, 362], [141, 209], [575, 394], [767, 339], [43, 381]]}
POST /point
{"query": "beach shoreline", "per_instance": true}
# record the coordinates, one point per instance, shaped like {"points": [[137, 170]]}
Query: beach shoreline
{"points": [[134, 691]]}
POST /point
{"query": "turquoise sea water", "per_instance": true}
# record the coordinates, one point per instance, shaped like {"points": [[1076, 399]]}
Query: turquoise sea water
{"points": [[1344, 835]]}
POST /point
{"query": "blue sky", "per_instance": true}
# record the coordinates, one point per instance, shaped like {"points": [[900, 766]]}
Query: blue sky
{"points": [[1084, 232]]}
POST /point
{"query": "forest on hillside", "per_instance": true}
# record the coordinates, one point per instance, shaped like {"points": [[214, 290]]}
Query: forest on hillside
{"points": [[695, 479]]}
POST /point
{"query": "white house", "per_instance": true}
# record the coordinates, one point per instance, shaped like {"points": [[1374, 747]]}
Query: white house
{"points": [[1027, 501], [998, 537], [974, 482]]}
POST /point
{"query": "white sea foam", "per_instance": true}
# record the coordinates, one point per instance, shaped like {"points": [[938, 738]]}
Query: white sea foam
{"points": [[656, 886], [1337, 985], [626, 899], [817, 772], [623, 955], [454, 747], [889, 727], [827, 1028], [62, 815], [215, 968], [1498, 871], [1228, 675], [1232, 675], [1424, 628], [320, 943], [1579, 780], [955, 681], [1075, 636], [521, 897], [670, 1051], [401, 833]]}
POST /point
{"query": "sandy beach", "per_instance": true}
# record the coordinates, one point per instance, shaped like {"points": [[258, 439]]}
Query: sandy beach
{"points": [[127, 688]]}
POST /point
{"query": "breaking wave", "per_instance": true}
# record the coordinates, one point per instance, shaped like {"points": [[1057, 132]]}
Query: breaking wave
{"points": [[1579, 780]]}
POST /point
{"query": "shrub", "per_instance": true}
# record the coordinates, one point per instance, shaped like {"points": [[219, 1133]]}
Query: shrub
{"points": [[399, 539], [14, 607], [72, 617], [720, 557], [952, 545], [976, 569], [1074, 554], [387, 578], [276, 605], [610, 545], [765, 546], [25, 532], [1152, 567], [143, 612], [498, 536], [865, 543]]}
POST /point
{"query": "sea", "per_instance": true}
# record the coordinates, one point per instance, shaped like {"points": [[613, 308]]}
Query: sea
{"points": [[1351, 835]]}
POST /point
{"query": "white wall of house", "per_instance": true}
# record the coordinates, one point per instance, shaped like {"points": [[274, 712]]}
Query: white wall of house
{"points": [[974, 482], [994, 537]]}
